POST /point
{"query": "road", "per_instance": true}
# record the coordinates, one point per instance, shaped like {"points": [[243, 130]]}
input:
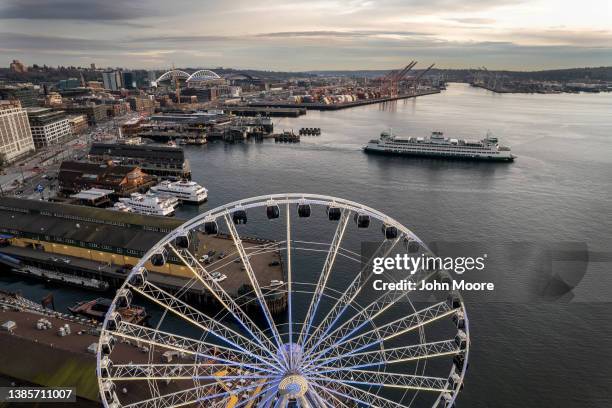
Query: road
{"points": [[22, 177]]}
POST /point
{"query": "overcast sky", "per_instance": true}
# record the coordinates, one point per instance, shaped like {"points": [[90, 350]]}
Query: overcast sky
{"points": [[308, 35]]}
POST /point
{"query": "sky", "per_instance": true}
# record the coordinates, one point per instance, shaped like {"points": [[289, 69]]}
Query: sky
{"points": [[308, 35]]}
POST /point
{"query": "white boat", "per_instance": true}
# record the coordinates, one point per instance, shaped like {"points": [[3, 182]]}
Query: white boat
{"points": [[185, 191], [440, 147], [148, 204], [122, 207]]}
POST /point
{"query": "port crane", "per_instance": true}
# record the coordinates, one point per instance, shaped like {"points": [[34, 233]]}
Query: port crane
{"points": [[415, 81], [393, 78]]}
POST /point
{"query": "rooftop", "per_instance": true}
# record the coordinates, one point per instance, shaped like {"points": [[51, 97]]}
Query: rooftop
{"points": [[143, 151]]}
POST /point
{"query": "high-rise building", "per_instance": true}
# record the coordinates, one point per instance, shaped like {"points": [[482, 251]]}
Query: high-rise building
{"points": [[112, 80], [15, 135], [17, 66], [129, 80], [48, 126]]}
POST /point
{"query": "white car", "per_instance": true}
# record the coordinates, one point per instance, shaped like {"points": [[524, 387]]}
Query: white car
{"points": [[218, 276], [203, 258], [276, 282]]}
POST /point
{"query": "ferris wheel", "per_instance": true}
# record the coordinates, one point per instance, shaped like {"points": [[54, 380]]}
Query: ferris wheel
{"points": [[269, 302]]}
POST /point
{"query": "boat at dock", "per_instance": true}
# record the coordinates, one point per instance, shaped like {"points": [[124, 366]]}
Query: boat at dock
{"points": [[287, 137], [183, 190], [437, 146], [96, 309], [147, 204]]}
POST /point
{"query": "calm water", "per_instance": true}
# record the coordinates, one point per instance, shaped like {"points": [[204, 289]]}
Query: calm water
{"points": [[526, 352]]}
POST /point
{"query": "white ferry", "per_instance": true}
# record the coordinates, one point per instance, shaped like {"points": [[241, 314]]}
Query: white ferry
{"points": [[147, 204], [185, 191], [440, 147]]}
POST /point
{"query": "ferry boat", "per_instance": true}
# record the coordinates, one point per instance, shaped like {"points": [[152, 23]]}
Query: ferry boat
{"points": [[148, 204], [183, 190], [440, 147]]}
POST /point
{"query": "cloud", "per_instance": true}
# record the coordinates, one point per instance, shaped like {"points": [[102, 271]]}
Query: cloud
{"points": [[473, 20], [87, 10], [48, 42], [340, 34]]}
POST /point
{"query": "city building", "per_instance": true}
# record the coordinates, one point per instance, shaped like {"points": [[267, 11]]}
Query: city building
{"points": [[27, 94], [75, 176], [129, 80], [48, 126], [115, 107], [112, 80], [15, 136], [53, 99], [131, 127], [17, 66], [159, 160], [78, 124], [95, 84], [202, 94], [141, 104], [69, 83], [92, 66], [95, 113]]}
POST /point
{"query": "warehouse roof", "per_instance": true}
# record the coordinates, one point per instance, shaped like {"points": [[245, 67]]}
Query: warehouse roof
{"points": [[68, 214], [144, 151]]}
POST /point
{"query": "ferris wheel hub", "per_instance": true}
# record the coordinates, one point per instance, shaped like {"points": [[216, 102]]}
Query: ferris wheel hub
{"points": [[293, 386]]}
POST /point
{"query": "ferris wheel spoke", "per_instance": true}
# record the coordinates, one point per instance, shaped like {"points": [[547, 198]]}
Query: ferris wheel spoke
{"points": [[289, 284], [373, 337], [318, 399], [389, 380], [260, 249], [228, 303], [268, 398], [254, 283], [323, 277], [366, 315], [185, 345], [356, 395], [200, 320], [170, 372], [390, 356], [344, 301], [257, 394]]}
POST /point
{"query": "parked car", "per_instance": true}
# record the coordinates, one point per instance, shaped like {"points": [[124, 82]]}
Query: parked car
{"points": [[218, 276]]}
